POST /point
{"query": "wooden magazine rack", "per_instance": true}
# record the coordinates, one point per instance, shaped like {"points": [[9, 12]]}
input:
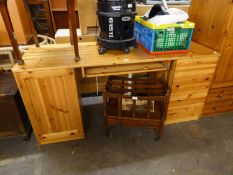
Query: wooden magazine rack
{"points": [[137, 102]]}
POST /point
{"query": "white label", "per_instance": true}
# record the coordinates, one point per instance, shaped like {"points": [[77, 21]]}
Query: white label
{"points": [[126, 18], [134, 98], [130, 6], [171, 29], [110, 28], [116, 8]]}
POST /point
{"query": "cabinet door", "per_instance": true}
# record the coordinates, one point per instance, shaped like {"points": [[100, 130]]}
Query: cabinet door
{"points": [[52, 102], [210, 18], [224, 73]]}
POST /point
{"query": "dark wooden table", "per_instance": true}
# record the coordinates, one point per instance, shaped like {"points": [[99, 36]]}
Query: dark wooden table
{"points": [[13, 116]]}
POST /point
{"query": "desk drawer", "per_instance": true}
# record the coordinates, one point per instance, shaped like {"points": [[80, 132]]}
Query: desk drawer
{"points": [[99, 71]]}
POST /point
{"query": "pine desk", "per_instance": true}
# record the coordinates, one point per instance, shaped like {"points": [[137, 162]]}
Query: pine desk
{"points": [[50, 82]]}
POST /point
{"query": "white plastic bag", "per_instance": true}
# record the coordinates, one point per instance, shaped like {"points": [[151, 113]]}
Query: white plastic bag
{"points": [[175, 15]]}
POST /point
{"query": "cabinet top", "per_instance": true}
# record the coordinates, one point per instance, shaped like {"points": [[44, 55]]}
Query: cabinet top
{"points": [[62, 56]]}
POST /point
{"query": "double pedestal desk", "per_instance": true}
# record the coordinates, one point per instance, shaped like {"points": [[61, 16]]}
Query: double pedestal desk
{"points": [[51, 83]]}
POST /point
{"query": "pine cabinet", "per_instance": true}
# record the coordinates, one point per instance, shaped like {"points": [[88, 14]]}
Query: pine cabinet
{"points": [[214, 28]]}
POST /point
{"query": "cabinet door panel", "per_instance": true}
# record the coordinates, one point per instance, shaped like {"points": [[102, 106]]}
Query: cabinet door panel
{"points": [[224, 71], [52, 102], [210, 17]]}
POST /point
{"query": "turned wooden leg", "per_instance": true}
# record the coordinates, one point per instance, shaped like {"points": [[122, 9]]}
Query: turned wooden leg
{"points": [[159, 131], [105, 125], [73, 27], [6, 18], [106, 128]]}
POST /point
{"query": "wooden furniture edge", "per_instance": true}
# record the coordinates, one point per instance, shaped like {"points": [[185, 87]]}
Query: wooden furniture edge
{"points": [[174, 121], [87, 62]]}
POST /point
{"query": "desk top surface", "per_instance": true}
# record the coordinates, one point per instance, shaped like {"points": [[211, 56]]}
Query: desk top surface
{"points": [[62, 56]]}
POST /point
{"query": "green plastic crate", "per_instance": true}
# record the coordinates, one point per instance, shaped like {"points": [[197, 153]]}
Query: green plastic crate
{"points": [[160, 39]]}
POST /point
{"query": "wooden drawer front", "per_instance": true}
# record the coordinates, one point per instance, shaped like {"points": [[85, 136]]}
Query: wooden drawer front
{"points": [[219, 100], [191, 83], [52, 102], [123, 69]]}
